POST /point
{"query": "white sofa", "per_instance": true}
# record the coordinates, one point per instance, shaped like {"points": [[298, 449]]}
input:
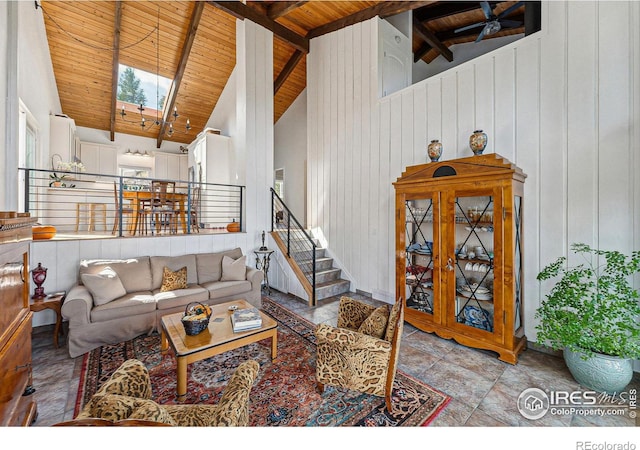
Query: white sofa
{"points": [[138, 311]]}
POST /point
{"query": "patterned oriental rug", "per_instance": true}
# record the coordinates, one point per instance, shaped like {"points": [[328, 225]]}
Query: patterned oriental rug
{"points": [[284, 393]]}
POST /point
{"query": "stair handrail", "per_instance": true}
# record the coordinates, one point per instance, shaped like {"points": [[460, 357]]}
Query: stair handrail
{"points": [[300, 229]]}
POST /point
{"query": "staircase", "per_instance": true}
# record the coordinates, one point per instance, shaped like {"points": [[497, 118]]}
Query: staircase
{"points": [[328, 281], [313, 268]]}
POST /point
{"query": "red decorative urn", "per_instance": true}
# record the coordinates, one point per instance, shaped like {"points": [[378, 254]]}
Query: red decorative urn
{"points": [[39, 274]]}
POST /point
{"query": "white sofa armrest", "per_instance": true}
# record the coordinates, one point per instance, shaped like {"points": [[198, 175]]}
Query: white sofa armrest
{"points": [[77, 306], [255, 276]]}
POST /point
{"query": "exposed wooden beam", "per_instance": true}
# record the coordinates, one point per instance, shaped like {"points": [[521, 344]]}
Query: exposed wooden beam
{"points": [[279, 9], [430, 38], [444, 9], [423, 50], [242, 11], [114, 69], [382, 9], [170, 101], [287, 70]]}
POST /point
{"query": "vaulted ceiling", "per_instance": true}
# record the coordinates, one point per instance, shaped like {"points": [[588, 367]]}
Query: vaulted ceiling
{"points": [[193, 44]]}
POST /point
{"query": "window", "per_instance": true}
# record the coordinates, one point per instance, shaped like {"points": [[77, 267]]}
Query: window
{"points": [[137, 87]]}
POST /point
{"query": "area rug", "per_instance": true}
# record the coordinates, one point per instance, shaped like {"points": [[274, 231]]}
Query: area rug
{"points": [[284, 393]]}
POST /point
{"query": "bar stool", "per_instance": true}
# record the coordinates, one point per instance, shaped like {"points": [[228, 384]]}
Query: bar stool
{"points": [[87, 212]]}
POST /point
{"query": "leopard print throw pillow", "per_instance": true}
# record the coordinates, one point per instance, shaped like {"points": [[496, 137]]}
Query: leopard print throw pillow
{"points": [[173, 280]]}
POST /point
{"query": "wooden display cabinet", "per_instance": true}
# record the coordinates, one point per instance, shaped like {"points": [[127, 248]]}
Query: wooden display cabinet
{"points": [[17, 402], [459, 251]]}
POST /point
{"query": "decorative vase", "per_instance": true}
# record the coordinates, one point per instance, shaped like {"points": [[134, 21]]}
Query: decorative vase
{"points": [[233, 227], [602, 373], [478, 142], [39, 274], [434, 150]]}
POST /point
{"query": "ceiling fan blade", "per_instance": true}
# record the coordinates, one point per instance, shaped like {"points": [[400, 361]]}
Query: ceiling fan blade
{"points": [[482, 33], [510, 23], [468, 27], [510, 9], [486, 8]]}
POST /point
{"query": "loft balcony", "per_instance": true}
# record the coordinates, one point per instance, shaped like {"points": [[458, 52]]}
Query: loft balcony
{"points": [[92, 205]]}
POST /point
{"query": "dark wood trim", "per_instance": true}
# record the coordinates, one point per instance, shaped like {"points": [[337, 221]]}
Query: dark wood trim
{"points": [[445, 9], [383, 9], [115, 62], [242, 11], [421, 52], [170, 101], [279, 9], [287, 70], [430, 38]]}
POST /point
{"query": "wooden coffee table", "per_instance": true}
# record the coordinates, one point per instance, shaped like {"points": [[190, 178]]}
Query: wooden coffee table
{"points": [[217, 338]]}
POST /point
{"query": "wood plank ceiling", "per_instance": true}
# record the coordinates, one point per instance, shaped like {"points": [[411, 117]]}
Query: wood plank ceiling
{"points": [[195, 47]]}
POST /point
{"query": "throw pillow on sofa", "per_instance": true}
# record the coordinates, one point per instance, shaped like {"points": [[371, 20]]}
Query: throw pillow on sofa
{"points": [[104, 286], [173, 280], [376, 324], [234, 269]]}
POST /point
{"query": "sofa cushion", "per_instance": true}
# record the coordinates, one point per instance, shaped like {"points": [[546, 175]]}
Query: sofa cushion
{"points": [[104, 285], [158, 263], [173, 280], [234, 269], [209, 265], [135, 273], [180, 297], [227, 288], [130, 304], [376, 324]]}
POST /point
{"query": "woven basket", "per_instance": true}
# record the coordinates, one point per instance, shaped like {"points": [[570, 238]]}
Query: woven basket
{"points": [[193, 327]]}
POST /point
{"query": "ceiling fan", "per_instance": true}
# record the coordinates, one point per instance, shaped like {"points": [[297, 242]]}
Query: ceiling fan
{"points": [[494, 23]]}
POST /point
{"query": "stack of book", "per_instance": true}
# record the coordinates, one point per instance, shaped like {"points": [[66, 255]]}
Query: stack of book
{"points": [[246, 319]]}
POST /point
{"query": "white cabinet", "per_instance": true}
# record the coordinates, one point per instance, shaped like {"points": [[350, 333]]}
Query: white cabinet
{"points": [[62, 139], [99, 159], [170, 166], [213, 159]]}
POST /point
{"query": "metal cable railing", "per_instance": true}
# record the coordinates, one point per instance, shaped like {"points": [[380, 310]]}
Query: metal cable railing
{"points": [[88, 205], [300, 246]]}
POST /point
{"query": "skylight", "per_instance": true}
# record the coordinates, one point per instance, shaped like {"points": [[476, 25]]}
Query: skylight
{"points": [[142, 86]]}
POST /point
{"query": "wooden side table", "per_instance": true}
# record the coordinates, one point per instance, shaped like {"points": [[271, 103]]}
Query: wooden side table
{"points": [[53, 302]]}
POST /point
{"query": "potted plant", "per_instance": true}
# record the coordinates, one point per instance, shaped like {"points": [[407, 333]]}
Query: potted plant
{"points": [[592, 314], [58, 180]]}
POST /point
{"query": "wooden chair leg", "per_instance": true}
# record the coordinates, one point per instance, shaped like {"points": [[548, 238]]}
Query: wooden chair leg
{"points": [[387, 401]]}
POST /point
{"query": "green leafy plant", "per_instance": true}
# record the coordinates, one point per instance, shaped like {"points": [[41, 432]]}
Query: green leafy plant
{"points": [[593, 307]]}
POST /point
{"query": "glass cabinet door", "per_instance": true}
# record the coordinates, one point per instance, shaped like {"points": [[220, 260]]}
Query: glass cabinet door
{"points": [[473, 265], [419, 228]]}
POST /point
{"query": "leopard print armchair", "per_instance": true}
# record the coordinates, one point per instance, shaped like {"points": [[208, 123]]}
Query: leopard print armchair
{"points": [[126, 399], [361, 353]]}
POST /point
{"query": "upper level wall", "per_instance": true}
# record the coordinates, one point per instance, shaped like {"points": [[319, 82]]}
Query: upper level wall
{"points": [[562, 104]]}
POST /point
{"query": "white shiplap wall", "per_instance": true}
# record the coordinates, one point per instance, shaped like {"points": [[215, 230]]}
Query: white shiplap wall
{"points": [[562, 104]]}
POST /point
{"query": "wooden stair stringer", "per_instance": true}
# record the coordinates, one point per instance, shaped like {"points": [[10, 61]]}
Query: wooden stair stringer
{"points": [[306, 285]]}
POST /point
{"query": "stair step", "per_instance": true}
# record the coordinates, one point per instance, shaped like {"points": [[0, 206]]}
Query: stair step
{"points": [[331, 288], [323, 276], [305, 255], [322, 263]]}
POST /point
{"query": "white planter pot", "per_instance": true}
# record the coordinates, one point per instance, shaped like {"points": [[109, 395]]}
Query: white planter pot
{"points": [[601, 373]]}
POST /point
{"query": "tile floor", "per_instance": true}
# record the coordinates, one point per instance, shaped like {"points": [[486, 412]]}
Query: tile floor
{"points": [[484, 390]]}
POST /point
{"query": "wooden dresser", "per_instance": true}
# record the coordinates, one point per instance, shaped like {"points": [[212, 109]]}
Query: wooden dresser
{"points": [[16, 408]]}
